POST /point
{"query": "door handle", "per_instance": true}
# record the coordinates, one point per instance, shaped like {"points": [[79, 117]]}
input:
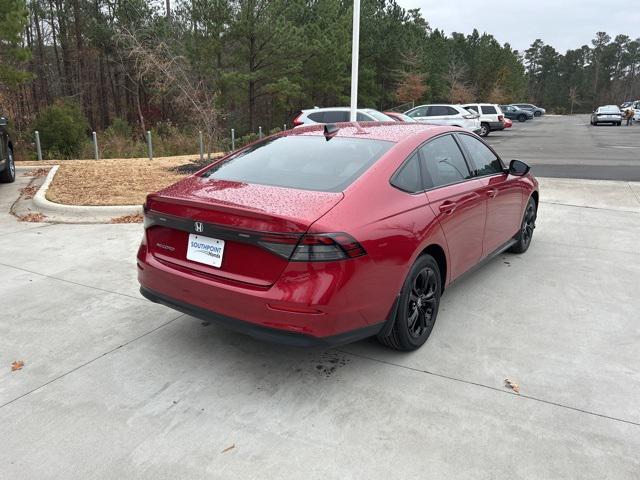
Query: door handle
{"points": [[492, 192], [448, 207]]}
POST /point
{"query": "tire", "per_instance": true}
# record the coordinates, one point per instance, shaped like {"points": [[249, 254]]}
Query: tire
{"points": [[522, 118], [418, 306], [484, 130], [8, 175], [619, 123], [525, 235], [537, 114]]}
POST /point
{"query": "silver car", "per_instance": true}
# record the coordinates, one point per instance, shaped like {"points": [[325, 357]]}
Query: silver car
{"points": [[338, 114], [444, 114], [607, 114]]}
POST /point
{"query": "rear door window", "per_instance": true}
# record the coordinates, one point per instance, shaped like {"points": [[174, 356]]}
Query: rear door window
{"points": [[489, 110], [336, 116], [484, 160], [444, 163], [418, 112], [439, 111], [306, 162]]}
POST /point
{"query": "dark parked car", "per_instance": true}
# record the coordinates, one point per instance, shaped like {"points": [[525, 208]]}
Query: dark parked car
{"points": [[323, 235], [537, 111], [607, 114], [515, 113], [7, 164]]}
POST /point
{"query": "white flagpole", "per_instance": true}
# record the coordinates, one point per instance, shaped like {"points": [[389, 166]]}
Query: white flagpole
{"points": [[355, 47]]}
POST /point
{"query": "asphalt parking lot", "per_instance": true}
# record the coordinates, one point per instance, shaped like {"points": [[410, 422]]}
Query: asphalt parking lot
{"points": [[116, 387], [568, 147]]}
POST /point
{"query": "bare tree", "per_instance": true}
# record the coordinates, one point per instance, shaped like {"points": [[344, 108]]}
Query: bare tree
{"points": [[170, 73], [573, 97], [460, 90]]}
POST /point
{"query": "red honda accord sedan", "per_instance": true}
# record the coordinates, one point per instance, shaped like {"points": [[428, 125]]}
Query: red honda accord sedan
{"points": [[326, 235]]}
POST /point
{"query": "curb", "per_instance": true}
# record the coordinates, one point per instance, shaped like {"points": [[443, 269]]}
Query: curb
{"points": [[78, 213]]}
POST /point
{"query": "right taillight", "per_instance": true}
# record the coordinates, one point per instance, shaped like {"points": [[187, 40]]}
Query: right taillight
{"points": [[297, 122], [323, 247]]}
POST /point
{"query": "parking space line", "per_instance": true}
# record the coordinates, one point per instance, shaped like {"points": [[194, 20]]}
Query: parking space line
{"points": [[72, 282], [482, 385], [62, 375]]}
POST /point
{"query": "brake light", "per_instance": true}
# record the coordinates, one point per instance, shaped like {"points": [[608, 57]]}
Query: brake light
{"points": [[501, 118], [313, 247], [297, 122]]}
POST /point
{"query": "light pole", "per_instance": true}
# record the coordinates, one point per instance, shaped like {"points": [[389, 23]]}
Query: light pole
{"points": [[355, 48]]}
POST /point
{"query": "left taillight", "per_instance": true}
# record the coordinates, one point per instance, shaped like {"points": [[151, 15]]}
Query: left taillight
{"points": [[323, 247], [501, 118]]}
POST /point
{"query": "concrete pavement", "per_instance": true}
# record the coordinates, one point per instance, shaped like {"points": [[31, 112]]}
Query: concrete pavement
{"points": [[116, 387]]}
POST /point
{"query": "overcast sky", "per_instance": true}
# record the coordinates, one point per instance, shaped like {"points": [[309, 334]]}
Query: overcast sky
{"points": [[563, 24]]}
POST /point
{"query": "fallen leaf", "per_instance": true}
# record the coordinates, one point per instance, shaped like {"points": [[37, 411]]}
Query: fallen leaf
{"points": [[228, 448], [512, 385], [135, 218], [17, 365]]}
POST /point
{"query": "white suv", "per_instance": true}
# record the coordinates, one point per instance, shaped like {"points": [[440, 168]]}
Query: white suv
{"points": [[442, 114], [338, 114], [491, 117]]}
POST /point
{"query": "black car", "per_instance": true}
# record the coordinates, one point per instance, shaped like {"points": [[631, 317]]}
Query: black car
{"points": [[515, 113], [7, 164]]}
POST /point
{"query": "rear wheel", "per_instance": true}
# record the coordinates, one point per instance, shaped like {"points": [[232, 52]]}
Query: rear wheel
{"points": [[526, 229], [418, 307], [522, 118], [8, 175], [484, 130]]}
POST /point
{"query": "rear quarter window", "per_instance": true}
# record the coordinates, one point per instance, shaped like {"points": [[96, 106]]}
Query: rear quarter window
{"points": [[301, 162], [489, 110]]}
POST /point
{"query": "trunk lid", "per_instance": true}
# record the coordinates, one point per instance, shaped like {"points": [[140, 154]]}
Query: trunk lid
{"points": [[240, 215]]}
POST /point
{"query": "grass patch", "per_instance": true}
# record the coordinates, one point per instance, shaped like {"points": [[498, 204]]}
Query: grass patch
{"points": [[114, 181]]}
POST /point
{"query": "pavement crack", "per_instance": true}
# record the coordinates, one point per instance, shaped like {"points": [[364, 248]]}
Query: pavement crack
{"points": [[592, 208], [89, 362], [489, 387]]}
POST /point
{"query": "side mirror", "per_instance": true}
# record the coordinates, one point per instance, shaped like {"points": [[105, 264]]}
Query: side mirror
{"points": [[518, 168]]}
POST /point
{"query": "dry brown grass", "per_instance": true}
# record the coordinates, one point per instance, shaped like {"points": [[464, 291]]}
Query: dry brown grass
{"points": [[135, 218], [114, 181]]}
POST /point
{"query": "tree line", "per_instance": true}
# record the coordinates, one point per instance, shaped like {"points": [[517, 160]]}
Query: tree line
{"points": [[215, 64]]}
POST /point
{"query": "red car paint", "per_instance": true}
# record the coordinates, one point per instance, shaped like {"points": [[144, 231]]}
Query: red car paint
{"points": [[254, 287], [508, 123]]}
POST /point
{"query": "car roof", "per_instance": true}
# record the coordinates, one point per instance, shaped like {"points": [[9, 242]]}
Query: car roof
{"points": [[388, 131], [334, 109]]}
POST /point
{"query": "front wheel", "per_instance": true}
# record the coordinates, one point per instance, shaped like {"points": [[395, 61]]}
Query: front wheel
{"points": [[8, 175], [418, 306], [484, 130], [523, 239], [537, 114]]}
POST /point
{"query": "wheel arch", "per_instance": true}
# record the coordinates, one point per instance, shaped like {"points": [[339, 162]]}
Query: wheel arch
{"points": [[438, 253]]}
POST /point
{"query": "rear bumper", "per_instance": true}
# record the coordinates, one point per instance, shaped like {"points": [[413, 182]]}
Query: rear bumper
{"points": [[260, 332], [496, 126]]}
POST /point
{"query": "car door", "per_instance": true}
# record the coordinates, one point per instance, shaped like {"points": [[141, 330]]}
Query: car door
{"points": [[504, 193], [456, 199], [419, 113], [438, 115]]}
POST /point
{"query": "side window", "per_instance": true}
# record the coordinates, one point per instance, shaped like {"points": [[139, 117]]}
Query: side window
{"points": [[362, 117], [408, 177], [317, 117], [335, 116], [473, 108], [451, 111], [489, 110], [418, 112], [444, 162], [483, 158], [437, 111]]}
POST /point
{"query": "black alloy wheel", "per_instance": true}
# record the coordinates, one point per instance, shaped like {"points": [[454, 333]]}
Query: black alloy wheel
{"points": [[417, 307], [526, 230]]}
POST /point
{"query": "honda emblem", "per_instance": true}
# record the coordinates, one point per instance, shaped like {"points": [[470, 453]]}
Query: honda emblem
{"points": [[199, 227]]}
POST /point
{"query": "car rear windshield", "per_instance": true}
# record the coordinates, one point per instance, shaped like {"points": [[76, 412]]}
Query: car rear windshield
{"points": [[609, 109], [302, 162]]}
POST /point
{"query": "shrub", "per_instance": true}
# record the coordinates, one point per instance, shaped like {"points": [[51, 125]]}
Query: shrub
{"points": [[63, 130]]}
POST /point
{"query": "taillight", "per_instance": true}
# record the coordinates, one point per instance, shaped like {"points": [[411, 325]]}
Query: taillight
{"points": [[501, 118], [313, 247], [297, 122], [470, 116]]}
